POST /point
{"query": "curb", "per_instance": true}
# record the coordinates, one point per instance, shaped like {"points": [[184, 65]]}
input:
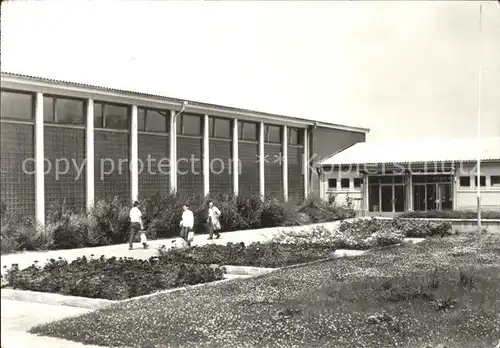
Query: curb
{"points": [[55, 299]]}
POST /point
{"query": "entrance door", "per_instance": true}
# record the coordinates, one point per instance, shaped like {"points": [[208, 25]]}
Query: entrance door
{"points": [[399, 198], [432, 196], [419, 197], [445, 197], [387, 198]]}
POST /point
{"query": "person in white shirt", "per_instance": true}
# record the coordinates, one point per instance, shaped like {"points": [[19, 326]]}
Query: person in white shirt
{"points": [[213, 220], [136, 225], [187, 224]]}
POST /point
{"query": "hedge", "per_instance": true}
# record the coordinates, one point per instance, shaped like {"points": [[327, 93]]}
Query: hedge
{"points": [[108, 222]]}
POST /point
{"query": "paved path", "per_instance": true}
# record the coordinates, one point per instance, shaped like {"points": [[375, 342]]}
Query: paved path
{"points": [[18, 317], [26, 259]]}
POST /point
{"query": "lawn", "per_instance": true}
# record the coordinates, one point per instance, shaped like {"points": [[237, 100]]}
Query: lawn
{"points": [[443, 290]]}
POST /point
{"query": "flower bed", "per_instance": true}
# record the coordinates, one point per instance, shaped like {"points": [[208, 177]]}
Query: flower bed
{"points": [[269, 255], [112, 279], [443, 290], [365, 234]]}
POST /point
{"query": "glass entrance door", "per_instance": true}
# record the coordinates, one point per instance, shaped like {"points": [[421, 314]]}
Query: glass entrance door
{"points": [[399, 198], [431, 196], [445, 197], [386, 198]]}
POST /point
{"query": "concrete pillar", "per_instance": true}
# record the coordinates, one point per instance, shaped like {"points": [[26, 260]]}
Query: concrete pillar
{"points": [[262, 160], [410, 193], [173, 152], [134, 155], [206, 156], [236, 162], [39, 162], [90, 156], [285, 163], [305, 163]]}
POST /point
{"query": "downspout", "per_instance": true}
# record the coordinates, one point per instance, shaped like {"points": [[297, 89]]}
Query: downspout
{"points": [[310, 131]]}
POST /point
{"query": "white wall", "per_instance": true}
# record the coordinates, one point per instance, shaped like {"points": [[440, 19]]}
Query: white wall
{"points": [[467, 196], [342, 193]]}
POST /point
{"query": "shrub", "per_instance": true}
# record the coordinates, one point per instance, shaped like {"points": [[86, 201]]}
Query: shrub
{"points": [[22, 233], [453, 214], [255, 254], [108, 221], [112, 278]]}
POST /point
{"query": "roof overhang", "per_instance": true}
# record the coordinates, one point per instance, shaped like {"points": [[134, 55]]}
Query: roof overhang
{"points": [[79, 90]]}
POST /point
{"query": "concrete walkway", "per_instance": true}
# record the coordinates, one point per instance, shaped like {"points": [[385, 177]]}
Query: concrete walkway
{"points": [[26, 259], [18, 317]]}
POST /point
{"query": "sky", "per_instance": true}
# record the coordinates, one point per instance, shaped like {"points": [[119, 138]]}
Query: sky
{"points": [[404, 69]]}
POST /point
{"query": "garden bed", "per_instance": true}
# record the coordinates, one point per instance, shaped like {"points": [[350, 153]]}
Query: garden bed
{"points": [[112, 279], [453, 214], [443, 290]]}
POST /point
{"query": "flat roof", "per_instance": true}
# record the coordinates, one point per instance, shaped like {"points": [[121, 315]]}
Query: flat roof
{"points": [[417, 151], [12, 80]]}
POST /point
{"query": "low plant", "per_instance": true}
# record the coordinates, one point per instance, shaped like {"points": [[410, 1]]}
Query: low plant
{"points": [[270, 255], [113, 279], [452, 214]]}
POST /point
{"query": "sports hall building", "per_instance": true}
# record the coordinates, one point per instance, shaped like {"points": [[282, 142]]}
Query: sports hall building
{"points": [[75, 142]]}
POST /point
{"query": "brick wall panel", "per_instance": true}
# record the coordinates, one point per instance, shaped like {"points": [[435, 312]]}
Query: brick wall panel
{"points": [[152, 180], [67, 147], [220, 156], [189, 180], [273, 171], [249, 177], [113, 146], [295, 177], [17, 189]]}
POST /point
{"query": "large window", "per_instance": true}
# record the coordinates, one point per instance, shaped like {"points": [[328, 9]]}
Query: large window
{"points": [[273, 134], [188, 124], [152, 120], [16, 105], [219, 128], [111, 116], [63, 110], [248, 131]]}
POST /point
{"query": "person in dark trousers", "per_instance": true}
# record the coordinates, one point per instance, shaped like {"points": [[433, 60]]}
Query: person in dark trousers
{"points": [[187, 224], [213, 221], [136, 225]]}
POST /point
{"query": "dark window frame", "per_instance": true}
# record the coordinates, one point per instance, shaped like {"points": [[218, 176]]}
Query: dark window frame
{"points": [[33, 102], [103, 124], [267, 134], [497, 181], [241, 127], [145, 126], [344, 180], [467, 179], [357, 182], [212, 124], [55, 120], [482, 181], [180, 128], [330, 181], [299, 132]]}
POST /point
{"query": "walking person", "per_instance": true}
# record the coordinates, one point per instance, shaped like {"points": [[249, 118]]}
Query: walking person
{"points": [[136, 225], [213, 221], [187, 225]]}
